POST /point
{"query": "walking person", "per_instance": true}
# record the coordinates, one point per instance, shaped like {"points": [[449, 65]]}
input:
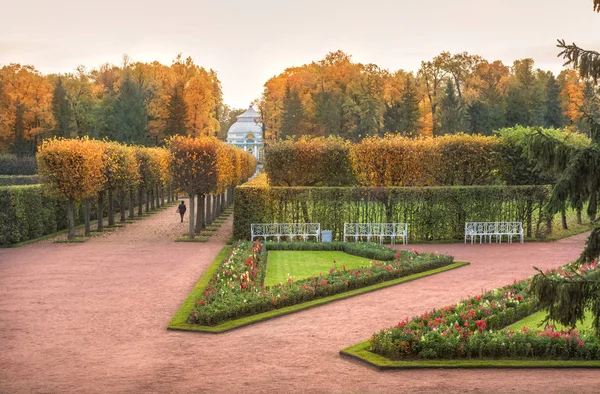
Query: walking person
{"points": [[181, 210]]}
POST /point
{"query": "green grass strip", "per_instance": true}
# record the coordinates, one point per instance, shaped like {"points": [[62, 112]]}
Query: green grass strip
{"points": [[359, 352], [70, 241], [196, 239], [179, 320], [244, 321]]}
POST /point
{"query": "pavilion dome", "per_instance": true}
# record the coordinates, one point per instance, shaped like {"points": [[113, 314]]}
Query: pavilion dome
{"points": [[247, 125]]}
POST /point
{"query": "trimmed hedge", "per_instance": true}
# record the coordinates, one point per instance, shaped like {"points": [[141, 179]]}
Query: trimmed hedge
{"points": [[26, 213], [17, 165], [15, 180], [367, 250], [432, 213]]}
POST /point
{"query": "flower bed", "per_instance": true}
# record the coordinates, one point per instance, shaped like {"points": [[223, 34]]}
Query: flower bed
{"points": [[237, 288], [472, 329]]}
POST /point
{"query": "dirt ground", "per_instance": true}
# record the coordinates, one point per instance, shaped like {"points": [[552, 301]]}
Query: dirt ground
{"points": [[92, 317]]}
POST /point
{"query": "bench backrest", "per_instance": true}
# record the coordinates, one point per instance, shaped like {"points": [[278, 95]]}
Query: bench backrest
{"points": [[494, 227], [262, 229], [375, 228]]}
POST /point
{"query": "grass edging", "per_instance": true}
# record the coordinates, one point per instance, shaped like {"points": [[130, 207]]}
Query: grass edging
{"points": [[359, 352], [178, 322], [196, 239]]}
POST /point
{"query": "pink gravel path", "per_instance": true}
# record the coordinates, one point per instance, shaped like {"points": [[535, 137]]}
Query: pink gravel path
{"points": [[92, 317]]}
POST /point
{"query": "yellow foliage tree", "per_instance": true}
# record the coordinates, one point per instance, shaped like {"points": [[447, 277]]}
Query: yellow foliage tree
{"points": [[72, 168]]}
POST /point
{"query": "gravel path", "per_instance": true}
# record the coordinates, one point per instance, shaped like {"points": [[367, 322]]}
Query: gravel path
{"points": [[92, 317]]}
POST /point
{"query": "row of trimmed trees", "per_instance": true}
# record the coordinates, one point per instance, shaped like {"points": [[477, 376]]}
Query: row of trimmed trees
{"points": [[450, 160], [208, 169], [82, 170]]}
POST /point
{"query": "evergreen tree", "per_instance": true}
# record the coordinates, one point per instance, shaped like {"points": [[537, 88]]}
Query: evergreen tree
{"points": [[553, 116], [293, 114], [484, 118], [129, 114], [177, 109], [328, 113], [525, 104], [61, 109], [402, 115], [451, 114], [590, 105]]}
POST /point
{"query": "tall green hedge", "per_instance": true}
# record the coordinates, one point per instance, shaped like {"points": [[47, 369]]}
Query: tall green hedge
{"points": [[432, 213], [27, 213], [17, 165], [12, 180]]}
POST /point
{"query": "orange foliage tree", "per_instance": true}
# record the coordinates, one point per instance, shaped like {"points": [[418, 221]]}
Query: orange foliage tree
{"points": [[73, 169]]}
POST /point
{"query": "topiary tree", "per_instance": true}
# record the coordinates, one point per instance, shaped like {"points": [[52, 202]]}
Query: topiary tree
{"points": [[309, 162], [72, 168], [192, 166]]}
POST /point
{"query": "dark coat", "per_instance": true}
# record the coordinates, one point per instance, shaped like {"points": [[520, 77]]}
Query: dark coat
{"points": [[181, 208]]}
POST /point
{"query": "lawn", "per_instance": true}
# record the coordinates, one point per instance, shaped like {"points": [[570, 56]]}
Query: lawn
{"points": [[304, 264], [534, 323]]}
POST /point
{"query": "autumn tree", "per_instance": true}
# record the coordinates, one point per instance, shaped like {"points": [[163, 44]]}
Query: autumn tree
{"points": [[121, 173], [193, 168], [73, 169], [25, 109]]}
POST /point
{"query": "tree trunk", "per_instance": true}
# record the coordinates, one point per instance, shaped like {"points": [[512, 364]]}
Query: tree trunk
{"points": [[131, 203], [101, 210], [140, 200], [122, 207], [563, 216], [111, 208], [579, 220], [71, 217], [592, 207], [208, 210], [201, 213], [151, 197], [530, 218], [192, 215], [168, 194], [157, 196], [147, 196], [162, 196], [86, 204], [215, 214]]}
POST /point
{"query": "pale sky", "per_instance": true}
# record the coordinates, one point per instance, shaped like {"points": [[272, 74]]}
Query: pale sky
{"points": [[247, 42]]}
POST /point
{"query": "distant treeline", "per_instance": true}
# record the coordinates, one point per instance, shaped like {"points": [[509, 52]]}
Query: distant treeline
{"points": [[136, 103], [449, 94]]}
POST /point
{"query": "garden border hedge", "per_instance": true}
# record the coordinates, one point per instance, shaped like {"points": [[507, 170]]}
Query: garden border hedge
{"points": [[17, 180], [432, 213], [359, 352]]}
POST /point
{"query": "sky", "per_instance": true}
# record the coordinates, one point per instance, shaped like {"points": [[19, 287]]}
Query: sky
{"points": [[248, 42]]}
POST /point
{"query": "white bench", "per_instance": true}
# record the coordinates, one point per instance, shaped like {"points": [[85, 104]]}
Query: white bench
{"points": [[376, 230], [291, 230], [487, 230]]}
